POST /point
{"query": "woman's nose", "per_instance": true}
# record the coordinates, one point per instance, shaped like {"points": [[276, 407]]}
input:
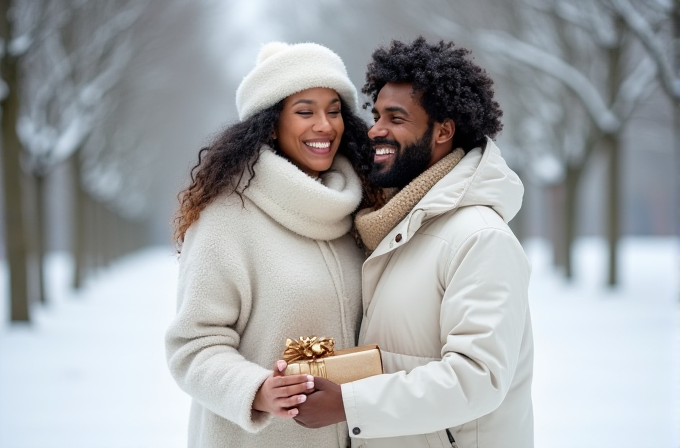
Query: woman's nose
{"points": [[322, 124]]}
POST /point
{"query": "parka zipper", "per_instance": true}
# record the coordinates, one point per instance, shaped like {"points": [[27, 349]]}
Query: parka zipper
{"points": [[451, 439]]}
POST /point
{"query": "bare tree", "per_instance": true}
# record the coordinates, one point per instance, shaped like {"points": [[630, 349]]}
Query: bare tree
{"points": [[15, 231], [587, 50], [67, 76], [656, 25], [67, 54]]}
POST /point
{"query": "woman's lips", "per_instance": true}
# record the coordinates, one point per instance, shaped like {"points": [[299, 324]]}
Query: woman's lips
{"points": [[318, 146]]}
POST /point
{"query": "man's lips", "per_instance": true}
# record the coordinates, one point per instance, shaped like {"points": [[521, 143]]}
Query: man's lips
{"points": [[383, 152]]}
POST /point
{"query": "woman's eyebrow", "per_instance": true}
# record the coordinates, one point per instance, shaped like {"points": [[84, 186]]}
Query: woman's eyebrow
{"points": [[306, 101]]}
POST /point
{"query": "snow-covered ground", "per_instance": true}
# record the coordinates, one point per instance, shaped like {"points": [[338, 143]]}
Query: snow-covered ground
{"points": [[89, 372]]}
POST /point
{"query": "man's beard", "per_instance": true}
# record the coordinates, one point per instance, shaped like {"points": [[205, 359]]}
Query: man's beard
{"points": [[408, 164]]}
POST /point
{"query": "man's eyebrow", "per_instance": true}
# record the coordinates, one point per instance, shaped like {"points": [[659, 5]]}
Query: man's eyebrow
{"points": [[398, 109]]}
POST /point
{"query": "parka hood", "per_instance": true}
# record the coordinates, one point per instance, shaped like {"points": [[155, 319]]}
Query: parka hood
{"points": [[481, 178]]}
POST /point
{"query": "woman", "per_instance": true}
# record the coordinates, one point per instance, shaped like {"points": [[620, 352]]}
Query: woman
{"points": [[265, 249]]}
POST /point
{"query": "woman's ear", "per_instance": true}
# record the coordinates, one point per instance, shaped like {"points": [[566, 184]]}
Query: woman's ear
{"points": [[445, 131]]}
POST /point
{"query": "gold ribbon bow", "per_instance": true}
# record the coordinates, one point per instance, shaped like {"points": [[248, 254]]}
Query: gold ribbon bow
{"points": [[308, 349]]}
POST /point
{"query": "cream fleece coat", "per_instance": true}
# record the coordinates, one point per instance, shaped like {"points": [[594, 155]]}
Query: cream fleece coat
{"points": [[282, 265], [446, 299]]}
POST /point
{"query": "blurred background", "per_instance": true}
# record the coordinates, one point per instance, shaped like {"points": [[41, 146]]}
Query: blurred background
{"points": [[105, 105]]}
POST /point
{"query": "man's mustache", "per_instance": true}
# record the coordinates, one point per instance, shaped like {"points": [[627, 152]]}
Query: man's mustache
{"points": [[384, 141]]}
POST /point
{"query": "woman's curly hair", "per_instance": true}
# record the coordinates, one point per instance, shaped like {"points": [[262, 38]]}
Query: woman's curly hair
{"points": [[452, 86], [231, 157]]}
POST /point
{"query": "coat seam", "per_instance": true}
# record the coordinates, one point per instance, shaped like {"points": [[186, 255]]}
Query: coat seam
{"points": [[455, 252]]}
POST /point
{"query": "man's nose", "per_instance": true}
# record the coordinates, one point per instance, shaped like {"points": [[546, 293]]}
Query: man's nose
{"points": [[377, 131]]}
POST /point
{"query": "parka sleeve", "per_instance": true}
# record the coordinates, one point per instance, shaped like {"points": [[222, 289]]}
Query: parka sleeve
{"points": [[482, 320], [214, 303]]}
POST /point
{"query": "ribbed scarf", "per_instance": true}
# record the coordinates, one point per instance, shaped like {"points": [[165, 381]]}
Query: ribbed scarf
{"points": [[373, 226], [320, 210]]}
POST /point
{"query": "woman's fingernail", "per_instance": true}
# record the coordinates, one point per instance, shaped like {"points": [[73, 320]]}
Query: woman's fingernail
{"points": [[310, 385], [310, 378], [293, 412], [281, 365], [302, 398]]}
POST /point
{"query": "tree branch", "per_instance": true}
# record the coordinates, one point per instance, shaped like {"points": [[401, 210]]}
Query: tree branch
{"points": [[506, 46], [643, 31]]}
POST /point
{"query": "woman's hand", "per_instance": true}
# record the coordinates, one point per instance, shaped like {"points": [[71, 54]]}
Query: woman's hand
{"points": [[278, 394]]}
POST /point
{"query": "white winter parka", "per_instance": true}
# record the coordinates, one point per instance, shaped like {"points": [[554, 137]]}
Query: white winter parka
{"points": [[445, 297], [280, 264]]}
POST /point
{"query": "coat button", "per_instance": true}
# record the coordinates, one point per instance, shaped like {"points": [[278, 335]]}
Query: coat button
{"points": [[398, 237], [356, 431]]}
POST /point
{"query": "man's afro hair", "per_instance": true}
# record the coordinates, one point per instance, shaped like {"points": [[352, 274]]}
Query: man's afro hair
{"points": [[452, 86]]}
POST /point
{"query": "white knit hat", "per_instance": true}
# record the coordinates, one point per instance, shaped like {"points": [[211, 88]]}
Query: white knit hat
{"points": [[283, 70]]}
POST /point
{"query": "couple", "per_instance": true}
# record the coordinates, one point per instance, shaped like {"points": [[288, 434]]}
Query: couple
{"points": [[274, 230]]}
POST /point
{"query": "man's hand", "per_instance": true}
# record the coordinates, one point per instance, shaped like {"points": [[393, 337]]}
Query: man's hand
{"points": [[323, 407], [279, 394]]}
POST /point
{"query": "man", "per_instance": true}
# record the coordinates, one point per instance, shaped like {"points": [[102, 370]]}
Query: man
{"points": [[445, 288]]}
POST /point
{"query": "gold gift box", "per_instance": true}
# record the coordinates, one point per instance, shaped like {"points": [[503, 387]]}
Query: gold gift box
{"points": [[342, 366]]}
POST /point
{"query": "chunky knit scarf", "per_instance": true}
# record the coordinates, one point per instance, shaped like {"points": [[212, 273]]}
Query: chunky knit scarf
{"points": [[373, 226]]}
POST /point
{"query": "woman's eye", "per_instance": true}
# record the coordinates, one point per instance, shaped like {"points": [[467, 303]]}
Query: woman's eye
{"points": [[303, 112], [333, 112]]}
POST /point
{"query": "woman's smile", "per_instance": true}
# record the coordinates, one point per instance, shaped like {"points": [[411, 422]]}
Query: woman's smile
{"points": [[319, 146]]}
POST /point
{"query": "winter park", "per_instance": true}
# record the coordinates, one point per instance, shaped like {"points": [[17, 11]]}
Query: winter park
{"points": [[105, 106]]}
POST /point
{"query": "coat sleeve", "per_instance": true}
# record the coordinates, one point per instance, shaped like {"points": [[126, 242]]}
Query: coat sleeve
{"points": [[482, 320], [214, 303]]}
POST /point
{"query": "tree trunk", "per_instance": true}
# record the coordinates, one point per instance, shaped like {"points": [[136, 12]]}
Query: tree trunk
{"points": [[571, 183], [109, 235], [97, 234], [557, 225], [676, 110], [78, 224], [612, 146], [40, 230], [15, 236]]}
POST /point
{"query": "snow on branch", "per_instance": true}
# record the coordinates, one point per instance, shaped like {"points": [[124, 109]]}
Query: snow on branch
{"points": [[19, 45], [105, 55], [505, 45], [634, 87], [587, 18], [71, 138], [643, 31]]}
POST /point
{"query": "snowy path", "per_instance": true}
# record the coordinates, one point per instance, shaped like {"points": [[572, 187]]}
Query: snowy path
{"points": [[90, 371]]}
